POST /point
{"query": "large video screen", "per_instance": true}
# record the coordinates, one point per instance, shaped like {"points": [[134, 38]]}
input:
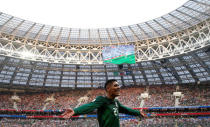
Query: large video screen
{"points": [[119, 54]]}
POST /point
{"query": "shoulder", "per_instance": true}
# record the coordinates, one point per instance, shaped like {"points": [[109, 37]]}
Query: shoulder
{"points": [[99, 98], [116, 100]]}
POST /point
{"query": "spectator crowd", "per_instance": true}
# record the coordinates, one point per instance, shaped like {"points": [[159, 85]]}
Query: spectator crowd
{"points": [[159, 96]]}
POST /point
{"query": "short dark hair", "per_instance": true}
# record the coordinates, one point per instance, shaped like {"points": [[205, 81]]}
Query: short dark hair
{"points": [[109, 81]]}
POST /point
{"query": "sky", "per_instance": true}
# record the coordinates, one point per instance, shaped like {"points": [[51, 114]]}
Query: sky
{"points": [[89, 13]]}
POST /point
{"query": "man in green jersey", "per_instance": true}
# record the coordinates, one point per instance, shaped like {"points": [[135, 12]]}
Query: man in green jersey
{"points": [[108, 108]]}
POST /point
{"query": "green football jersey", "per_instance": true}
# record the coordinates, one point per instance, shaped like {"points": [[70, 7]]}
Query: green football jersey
{"points": [[107, 111]]}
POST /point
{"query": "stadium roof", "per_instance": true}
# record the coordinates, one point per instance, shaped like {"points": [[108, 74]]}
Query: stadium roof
{"points": [[188, 15], [90, 14], [171, 49]]}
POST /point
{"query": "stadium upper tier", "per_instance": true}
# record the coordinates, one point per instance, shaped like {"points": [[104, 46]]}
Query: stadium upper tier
{"points": [[184, 30], [184, 17]]}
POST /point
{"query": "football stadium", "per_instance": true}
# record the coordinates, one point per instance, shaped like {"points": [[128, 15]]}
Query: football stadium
{"points": [[161, 66]]}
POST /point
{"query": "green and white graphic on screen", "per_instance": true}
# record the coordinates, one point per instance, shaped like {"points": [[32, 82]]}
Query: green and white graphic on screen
{"points": [[119, 54]]}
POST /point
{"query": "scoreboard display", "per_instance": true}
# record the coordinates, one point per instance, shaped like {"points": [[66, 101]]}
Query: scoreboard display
{"points": [[119, 54]]}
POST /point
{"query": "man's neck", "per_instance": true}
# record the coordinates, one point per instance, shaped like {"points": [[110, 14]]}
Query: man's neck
{"points": [[110, 97]]}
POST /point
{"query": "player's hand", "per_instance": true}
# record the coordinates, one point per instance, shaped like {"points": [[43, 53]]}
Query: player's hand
{"points": [[147, 115], [68, 113], [143, 113]]}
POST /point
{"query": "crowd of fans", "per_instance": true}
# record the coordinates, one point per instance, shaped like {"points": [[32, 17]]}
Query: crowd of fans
{"points": [[154, 122], [167, 122], [159, 96]]}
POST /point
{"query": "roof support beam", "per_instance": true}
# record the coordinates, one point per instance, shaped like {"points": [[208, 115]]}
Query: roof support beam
{"points": [[91, 75], [39, 33], [188, 15], [46, 74], [180, 20], [203, 13], [15, 72], [201, 3], [172, 69], [76, 75], [143, 73], [68, 40], [99, 39], [132, 75], [61, 76], [125, 37], [3, 63], [162, 26], [155, 31], [118, 39], [201, 62], [110, 40], [188, 68], [78, 39], [33, 66], [148, 36], [106, 75], [134, 34], [171, 23], [48, 36], [3, 26], [208, 51], [29, 30], [58, 37], [16, 28], [158, 72], [122, 78]]}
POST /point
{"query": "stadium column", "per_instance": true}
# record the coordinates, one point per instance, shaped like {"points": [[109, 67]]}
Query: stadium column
{"points": [[19, 64], [174, 73], [76, 75], [143, 73], [132, 75], [208, 52], [33, 66], [158, 72], [61, 76], [45, 77], [201, 62], [167, 64], [4, 62], [106, 72], [120, 68], [184, 63], [122, 80], [91, 74]]}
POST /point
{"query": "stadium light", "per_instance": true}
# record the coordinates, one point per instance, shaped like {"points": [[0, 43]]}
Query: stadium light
{"points": [[178, 96]]}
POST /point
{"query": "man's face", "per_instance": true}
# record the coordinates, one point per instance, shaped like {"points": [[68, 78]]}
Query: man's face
{"points": [[114, 89]]}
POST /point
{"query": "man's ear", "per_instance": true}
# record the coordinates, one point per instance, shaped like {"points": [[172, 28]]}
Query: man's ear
{"points": [[107, 88]]}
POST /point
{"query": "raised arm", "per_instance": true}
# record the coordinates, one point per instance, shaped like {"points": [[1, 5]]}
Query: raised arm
{"points": [[68, 113], [129, 111], [84, 109]]}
